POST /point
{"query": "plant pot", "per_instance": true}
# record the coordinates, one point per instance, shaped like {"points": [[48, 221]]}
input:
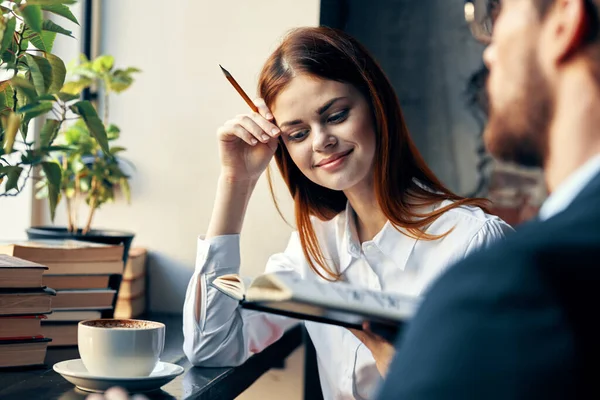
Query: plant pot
{"points": [[95, 235]]}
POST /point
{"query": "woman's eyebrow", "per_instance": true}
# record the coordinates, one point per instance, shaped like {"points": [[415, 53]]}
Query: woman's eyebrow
{"points": [[327, 105], [320, 111]]}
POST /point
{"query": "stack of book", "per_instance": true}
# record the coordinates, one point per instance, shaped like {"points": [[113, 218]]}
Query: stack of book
{"points": [[131, 300], [24, 302], [83, 275]]}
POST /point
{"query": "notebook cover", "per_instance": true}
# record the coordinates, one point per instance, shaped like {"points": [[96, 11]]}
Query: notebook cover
{"points": [[388, 331]]}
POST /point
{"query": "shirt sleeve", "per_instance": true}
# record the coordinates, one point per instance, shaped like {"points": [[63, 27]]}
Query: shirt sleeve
{"points": [[225, 334], [491, 232]]}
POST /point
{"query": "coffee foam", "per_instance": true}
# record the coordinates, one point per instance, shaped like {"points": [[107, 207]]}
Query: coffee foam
{"points": [[122, 323]]}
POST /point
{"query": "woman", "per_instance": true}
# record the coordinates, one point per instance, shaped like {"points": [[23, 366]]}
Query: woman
{"points": [[368, 209]]}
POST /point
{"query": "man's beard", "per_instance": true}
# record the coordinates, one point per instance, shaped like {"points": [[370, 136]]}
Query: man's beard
{"points": [[519, 132]]}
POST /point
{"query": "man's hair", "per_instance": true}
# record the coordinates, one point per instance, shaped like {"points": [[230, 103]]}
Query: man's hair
{"points": [[543, 6], [591, 7], [592, 38]]}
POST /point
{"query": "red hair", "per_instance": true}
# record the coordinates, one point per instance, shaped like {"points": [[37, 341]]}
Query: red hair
{"points": [[331, 54]]}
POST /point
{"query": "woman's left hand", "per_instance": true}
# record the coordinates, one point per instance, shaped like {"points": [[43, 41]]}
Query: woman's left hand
{"points": [[382, 350], [115, 393]]}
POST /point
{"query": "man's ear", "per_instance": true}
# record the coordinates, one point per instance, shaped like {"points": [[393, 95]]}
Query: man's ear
{"points": [[567, 25]]}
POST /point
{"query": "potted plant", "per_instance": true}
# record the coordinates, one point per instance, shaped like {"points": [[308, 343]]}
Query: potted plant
{"points": [[32, 86], [31, 79], [89, 173]]}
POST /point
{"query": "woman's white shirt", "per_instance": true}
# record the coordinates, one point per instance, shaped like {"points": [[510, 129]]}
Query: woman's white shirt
{"points": [[226, 335]]}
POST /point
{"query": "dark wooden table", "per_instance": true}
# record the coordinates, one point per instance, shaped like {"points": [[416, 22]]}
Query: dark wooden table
{"points": [[194, 383]]}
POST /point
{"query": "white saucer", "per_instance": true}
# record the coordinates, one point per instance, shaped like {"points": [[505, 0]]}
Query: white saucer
{"points": [[75, 372]]}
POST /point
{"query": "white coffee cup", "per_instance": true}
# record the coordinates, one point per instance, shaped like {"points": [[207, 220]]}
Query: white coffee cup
{"points": [[120, 347]]}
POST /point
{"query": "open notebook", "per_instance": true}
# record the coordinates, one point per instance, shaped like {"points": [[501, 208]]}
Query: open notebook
{"points": [[336, 303]]}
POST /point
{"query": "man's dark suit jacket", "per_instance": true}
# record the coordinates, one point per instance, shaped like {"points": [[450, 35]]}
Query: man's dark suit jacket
{"points": [[520, 320]]}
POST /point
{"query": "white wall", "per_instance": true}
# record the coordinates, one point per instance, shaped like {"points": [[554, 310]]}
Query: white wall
{"points": [[15, 214], [169, 118], [15, 210]]}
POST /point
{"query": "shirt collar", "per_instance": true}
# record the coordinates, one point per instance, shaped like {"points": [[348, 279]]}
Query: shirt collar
{"points": [[350, 245], [393, 243], [567, 191]]}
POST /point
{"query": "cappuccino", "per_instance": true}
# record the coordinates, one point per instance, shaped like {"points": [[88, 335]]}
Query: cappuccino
{"points": [[120, 347]]}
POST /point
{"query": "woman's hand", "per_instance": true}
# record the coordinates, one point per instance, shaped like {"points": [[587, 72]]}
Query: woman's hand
{"points": [[115, 393], [383, 351], [247, 144]]}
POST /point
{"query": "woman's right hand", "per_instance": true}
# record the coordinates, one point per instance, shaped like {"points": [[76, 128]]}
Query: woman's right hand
{"points": [[247, 143]]}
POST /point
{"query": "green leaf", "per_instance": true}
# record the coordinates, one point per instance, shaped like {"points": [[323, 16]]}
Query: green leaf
{"points": [[22, 99], [120, 81], [63, 149], [51, 2], [41, 73], [66, 97], [33, 16], [46, 97], [116, 149], [11, 126], [6, 95], [9, 55], [2, 27], [113, 132], [103, 63], [4, 84], [62, 10], [31, 157], [25, 126], [8, 34], [49, 132], [76, 87], [13, 178], [44, 106], [9, 58], [59, 71], [44, 41], [35, 110], [24, 86], [54, 177], [50, 26], [23, 95], [93, 122], [85, 71], [24, 44]]}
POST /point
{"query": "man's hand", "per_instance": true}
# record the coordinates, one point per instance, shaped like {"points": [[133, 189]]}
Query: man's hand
{"points": [[382, 350], [115, 393]]}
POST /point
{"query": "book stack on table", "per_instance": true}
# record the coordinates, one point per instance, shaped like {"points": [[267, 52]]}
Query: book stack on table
{"points": [[84, 275], [24, 303], [131, 299]]}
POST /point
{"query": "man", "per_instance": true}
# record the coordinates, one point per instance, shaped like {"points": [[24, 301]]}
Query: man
{"points": [[518, 321]]}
